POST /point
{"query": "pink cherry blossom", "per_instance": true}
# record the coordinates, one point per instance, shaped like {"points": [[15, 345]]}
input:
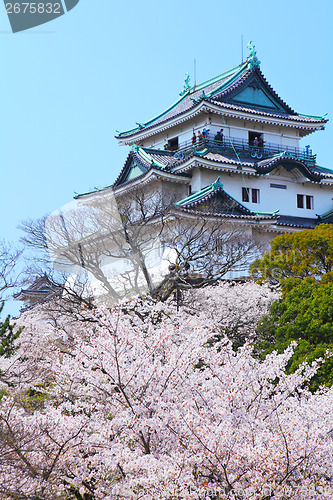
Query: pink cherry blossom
{"points": [[137, 404]]}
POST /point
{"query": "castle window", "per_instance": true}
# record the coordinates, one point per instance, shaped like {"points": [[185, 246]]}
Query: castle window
{"points": [[252, 136], [173, 144], [278, 186], [305, 201], [300, 201], [309, 202], [250, 193], [245, 194], [255, 196]]}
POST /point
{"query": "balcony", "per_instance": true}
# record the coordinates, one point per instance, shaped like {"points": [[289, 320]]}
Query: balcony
{"points": [[232, 146]]}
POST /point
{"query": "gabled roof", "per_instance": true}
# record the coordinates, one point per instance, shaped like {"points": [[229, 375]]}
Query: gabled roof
{"points": [[243, 88], [252, 90], [141, 160], [214, 200]]}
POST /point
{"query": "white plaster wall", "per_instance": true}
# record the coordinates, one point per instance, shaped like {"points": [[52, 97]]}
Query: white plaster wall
{"points": [[183, 131], [197, 182], [232, 127], [271, 199]]}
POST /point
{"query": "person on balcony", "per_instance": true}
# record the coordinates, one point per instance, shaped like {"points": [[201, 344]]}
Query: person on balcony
{"points": [[219, 135], [255, 142], [194, 138]]}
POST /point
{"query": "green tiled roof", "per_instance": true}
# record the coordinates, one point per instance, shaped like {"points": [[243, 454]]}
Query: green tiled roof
{"points": [[196, 196], [146, 156], [209, 190], [213, 85], [224, 88], [227, 77], [326, 214]]}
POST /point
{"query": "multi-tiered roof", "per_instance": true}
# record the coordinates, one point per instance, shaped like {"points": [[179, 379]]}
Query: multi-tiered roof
{"points": [[241, 93], [240, 90]]}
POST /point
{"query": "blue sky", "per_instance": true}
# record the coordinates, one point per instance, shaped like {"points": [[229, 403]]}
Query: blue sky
{"points": [[68, 85]]}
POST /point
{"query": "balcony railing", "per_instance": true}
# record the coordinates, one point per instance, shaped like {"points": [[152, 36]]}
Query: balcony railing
{"points": [[232, 145]]}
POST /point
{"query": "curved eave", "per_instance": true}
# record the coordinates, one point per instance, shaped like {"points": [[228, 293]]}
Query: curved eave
{"points": [[293, 121], [255, 218], [206, 105], [144, 125], [180, 117], [227, 164], [92, 193], [310, 224], [267, 166], [152, 174], [255, 169], [233, 79]]}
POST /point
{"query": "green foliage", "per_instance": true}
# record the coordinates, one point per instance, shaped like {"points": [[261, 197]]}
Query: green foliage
{"points": [[299, 255], [33, 399], [8, 335], [304, 315]]}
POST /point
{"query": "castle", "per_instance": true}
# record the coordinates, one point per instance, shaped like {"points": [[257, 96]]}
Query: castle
{"points": [[227, 150], [231, 146]]}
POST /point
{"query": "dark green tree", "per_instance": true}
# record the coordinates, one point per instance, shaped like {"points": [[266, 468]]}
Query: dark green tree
{"points": [[8, 335], [304, 315]]}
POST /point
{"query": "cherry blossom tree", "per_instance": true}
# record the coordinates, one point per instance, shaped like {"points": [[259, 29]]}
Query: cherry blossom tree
{"points": [[233, 307], [138, 404], [9, 274]]}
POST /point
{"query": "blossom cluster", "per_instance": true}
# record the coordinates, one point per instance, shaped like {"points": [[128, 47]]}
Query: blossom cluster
{"points": [[135, 403]]}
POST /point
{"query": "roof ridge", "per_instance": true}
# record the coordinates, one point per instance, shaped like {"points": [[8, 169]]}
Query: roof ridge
{"points": [[199, 194], [296, 116], [241, 75], [146, 156], [240, 67], [214, 187]]}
